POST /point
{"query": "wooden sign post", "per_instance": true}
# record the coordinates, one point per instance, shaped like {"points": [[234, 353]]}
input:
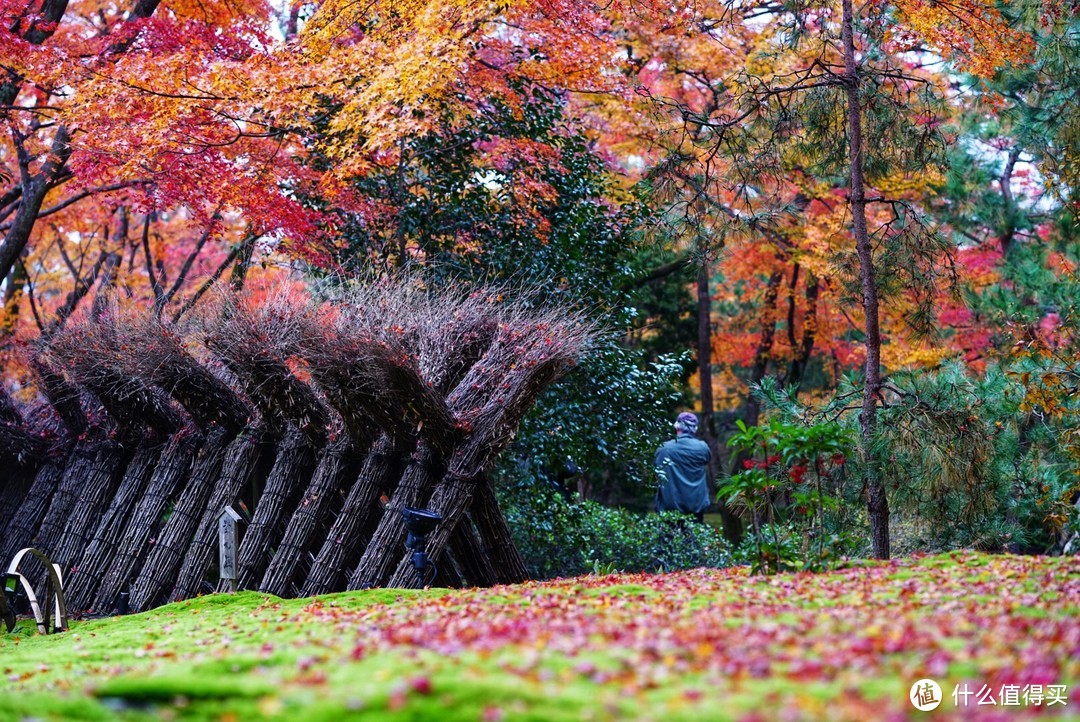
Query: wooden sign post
{"points": [[227, 545]]}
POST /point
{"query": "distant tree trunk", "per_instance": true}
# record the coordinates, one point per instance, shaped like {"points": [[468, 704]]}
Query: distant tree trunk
{"points": [[1010, 213], [240, 464], [877, 501], [338, 464], [158, 572], [291, 474], [704, 358], [127, 524], [343, 546], [752, 407], [731, 524], [243, 262], [809, 335]]}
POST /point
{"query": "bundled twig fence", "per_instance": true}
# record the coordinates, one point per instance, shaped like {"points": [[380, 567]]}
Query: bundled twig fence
{"points": [[318, 421]]}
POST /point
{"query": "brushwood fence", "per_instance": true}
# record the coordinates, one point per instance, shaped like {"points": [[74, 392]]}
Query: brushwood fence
{"points": [[321, 420]]}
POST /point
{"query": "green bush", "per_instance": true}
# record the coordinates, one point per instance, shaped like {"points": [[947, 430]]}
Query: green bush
{"points": [[782, 489], [558, 537]]}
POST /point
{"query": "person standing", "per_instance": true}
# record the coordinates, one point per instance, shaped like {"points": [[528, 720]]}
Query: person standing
{"points": [[681, 466]]}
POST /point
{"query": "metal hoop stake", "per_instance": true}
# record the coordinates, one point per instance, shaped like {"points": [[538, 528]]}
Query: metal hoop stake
{"points": [[54, 589]]}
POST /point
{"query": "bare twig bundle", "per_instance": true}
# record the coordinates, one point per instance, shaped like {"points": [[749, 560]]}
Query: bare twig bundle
{"points": [[63, 397], [255, 340], [398, 349], [361, 348], [20, 442], [345, 359], [162, 353], [456, 326], [96, 355], [431, 383], [530, 351]]}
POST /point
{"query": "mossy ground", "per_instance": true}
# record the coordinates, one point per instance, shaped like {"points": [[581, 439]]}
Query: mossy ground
{"points": [[697, 645]]}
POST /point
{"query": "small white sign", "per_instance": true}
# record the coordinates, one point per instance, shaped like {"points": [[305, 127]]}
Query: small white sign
{"points": [[227, 542]]}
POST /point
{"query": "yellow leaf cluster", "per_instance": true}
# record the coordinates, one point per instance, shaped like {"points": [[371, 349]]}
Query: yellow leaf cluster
{"points": [[973, 33], [895, 356]]}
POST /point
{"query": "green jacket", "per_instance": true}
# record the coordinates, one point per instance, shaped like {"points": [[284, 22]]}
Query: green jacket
{"points": [[681, 464]]}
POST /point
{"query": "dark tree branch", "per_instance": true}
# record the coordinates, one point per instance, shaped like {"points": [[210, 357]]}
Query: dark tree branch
{"points": [[207, 285], [186, 268]]}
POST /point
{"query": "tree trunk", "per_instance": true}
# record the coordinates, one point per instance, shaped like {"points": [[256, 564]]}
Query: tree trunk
{"points": [[89, 514], [731, 524], [236, 471], [343, 546], [291, 474], [338, 463], [35, 187], [877, 502], [158, 572], [752, 407], [704, 358], [809, 335], [495, 536]]}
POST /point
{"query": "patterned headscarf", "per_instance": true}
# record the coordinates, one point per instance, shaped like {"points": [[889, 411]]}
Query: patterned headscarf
{"points": [[686, 423]]}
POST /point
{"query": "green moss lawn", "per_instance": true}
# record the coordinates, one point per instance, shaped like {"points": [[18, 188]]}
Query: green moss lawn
{"points": [[698, 645]]}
